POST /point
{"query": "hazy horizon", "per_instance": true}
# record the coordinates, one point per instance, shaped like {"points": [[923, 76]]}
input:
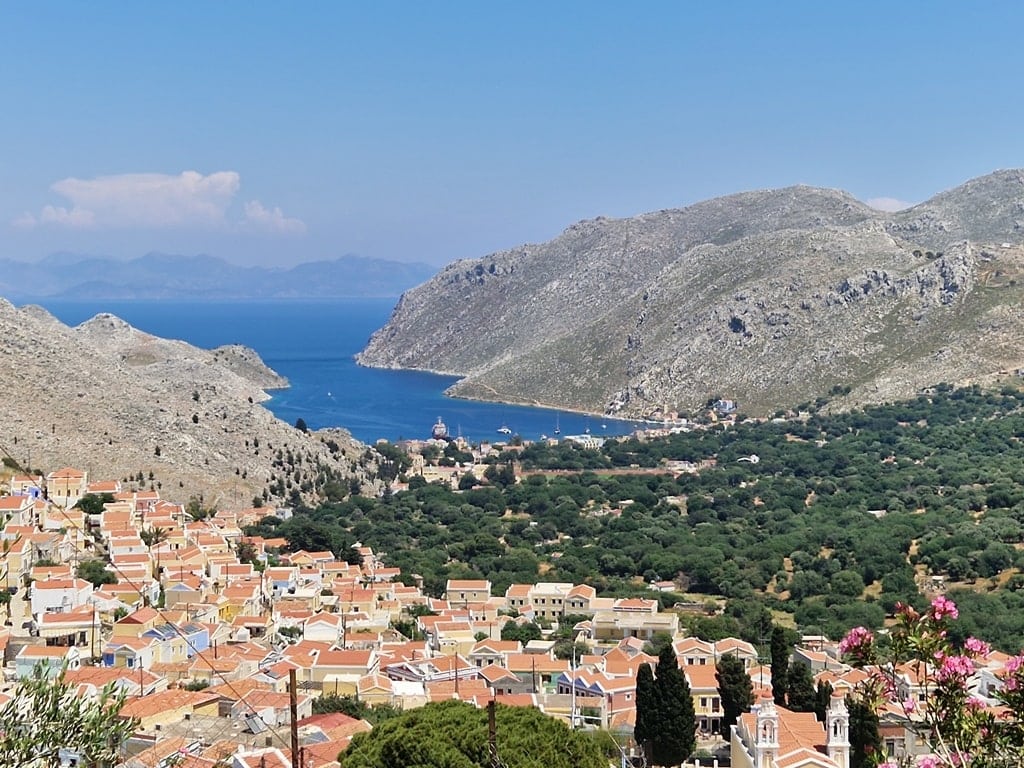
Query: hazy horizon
{"points": [[273, 136]]}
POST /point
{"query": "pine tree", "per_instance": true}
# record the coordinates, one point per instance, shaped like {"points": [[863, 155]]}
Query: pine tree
{"points": [[676, 735], [646, 727], [780, 665], [735, 689], [800, 693]]}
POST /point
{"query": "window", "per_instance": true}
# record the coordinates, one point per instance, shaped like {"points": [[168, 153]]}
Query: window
{"points": [[703, 702]]}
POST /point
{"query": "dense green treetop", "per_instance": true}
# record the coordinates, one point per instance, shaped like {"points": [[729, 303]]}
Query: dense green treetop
{"points": [[96, 573], [453, 734]]}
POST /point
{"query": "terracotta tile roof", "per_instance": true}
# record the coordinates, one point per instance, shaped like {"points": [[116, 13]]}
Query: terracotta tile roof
{"points": [[492, 673], [141, 616], [77, 584], [468, 688], [797, 730], [497, 646], [156, 755], [235, 690], [701, 677], [66, 473], [468, 584], [526, 662], [84, 613], [162, 701], [345, 658], [512, 700]]}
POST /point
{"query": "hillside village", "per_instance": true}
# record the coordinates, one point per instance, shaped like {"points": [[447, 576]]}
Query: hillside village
{"points": [[206, 630]]}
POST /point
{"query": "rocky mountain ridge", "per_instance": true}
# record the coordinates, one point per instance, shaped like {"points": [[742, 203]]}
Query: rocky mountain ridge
{"points": [[771, 298], [120, 403]]}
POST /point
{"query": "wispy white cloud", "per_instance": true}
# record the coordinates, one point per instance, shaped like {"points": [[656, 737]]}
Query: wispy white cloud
{"points": [[270, 219], [889, 204], [189, 200]]}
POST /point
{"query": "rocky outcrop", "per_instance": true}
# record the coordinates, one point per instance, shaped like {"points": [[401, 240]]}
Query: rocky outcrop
{"points": [[771, 298], [121, 403]]}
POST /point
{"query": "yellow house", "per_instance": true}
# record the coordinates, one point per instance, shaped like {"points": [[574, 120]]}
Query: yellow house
{"points": [[375, 689], [340, 670], [462, 591], [17, 556], [134, 624], [66, 486], [707, 704]]}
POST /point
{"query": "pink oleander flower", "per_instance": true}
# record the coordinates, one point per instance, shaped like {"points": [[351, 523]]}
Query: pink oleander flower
{"points": [[1013, 664], [929, 761], [909, 705], [974, 703], [943, 607], [956, 668], [857, 639], [976, 647]]}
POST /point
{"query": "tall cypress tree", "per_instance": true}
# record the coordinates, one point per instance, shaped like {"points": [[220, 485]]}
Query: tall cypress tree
{"points": [[646, 727], [676, 737], [800, 693], [780, 664], [823, 698], [735, 689]]}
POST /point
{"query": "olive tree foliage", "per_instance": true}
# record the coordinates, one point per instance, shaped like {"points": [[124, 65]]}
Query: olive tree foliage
{"points": [[46, 715]]}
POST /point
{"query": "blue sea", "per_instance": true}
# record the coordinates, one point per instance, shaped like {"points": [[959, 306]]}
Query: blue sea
{"points": [[313, 344]]}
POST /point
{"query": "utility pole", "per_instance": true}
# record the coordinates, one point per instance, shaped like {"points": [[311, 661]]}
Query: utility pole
{"points": [[572, 698], [492, 735], [293, 703]]}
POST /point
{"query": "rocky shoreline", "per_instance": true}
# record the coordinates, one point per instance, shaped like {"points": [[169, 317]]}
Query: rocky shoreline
{"points": [[120, 403]]}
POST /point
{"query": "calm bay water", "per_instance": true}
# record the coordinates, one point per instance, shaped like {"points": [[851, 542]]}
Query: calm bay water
{"points": [[313, 344]]}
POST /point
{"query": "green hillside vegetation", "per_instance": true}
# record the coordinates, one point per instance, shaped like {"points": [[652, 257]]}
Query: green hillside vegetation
{"points": [[842, 516]]}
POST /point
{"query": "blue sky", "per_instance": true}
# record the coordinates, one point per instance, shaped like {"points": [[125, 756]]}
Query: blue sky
{"points": [[272, 133]]}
